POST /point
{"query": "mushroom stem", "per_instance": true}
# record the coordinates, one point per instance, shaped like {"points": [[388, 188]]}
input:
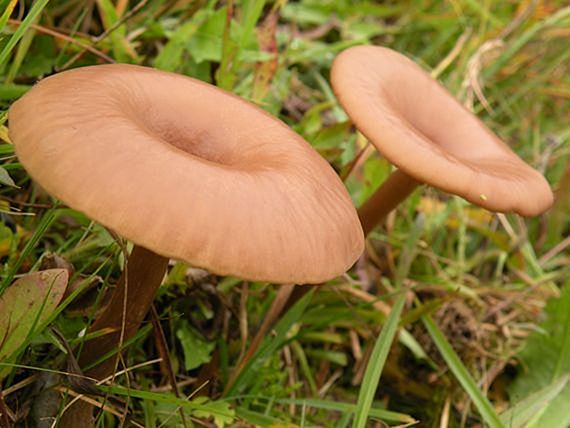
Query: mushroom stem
{"points": [[139, 282], [393, 191]]}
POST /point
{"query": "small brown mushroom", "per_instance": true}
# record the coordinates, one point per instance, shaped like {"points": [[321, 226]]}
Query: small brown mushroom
{"points": [[423, 130], [184, 170]]}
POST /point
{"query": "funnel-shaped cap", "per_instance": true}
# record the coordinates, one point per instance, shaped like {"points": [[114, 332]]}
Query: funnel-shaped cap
{"points": [[421, 128], [188, 171]]}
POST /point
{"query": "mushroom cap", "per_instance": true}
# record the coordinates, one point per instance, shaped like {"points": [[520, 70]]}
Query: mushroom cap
{"points": [[188, 171], [421, 128]]}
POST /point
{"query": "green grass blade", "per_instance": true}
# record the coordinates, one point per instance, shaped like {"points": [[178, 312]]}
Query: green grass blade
{"points": [[376, 363], [514, 47], [46, 221], [9, 8], [256, 418], [20, 56], [384, 341], [462, 374], [339, 406], [117, 34], [251, 12], [24, 26]]}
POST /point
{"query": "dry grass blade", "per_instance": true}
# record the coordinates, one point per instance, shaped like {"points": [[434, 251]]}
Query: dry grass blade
{"points": [[162, 346], [269, 320]]}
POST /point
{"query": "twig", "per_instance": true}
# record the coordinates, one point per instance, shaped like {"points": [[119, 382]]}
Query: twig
{"points": [[163, 352], [121, 21], [4, 411], [71, 40], [450, 57], [78, 397], [243, 324], [28, 381], [274, 311], [379, 305], [561, 246]]}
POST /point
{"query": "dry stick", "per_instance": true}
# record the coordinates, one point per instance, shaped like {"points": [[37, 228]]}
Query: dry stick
{"points": [[143, 275], [4, 411], [243, 322], [124, 18], [71, 40], [357, 159], [107, 380], [393, 191], [280, 301], [165, 357], [272, 314]]}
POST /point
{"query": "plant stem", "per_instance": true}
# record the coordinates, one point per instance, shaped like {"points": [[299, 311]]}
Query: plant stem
{"points": [[271, 317], [139, 283]]}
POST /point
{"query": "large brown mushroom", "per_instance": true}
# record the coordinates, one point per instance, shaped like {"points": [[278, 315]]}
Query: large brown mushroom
{"points": [[184, 170], [422, 129]]}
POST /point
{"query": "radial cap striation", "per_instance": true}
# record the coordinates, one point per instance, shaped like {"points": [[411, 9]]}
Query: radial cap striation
{"points": [[188, 171], [421, 128]]}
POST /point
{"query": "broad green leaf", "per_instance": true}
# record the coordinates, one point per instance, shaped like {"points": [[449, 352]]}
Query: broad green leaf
{"points": [[26, 304], [533, 405], [8, 239], [303, 14], [196, 349], [171, 56], [376, 171], [10, 91], [206, 43], [219, 411], [545, 358], [5, 178]]}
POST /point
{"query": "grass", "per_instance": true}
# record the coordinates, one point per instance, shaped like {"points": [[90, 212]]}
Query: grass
{"points": [[439, 324]]}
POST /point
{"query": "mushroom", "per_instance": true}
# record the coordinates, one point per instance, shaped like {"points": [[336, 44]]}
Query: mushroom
{"points": [[186, 171], [423, 130]]}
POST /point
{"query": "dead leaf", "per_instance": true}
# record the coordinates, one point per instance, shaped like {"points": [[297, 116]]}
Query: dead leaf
{"points": [[26, 304]]}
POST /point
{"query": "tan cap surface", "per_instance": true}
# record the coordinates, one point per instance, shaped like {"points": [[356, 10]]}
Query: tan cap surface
{"points": [[420, 127], [188, 171]]}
